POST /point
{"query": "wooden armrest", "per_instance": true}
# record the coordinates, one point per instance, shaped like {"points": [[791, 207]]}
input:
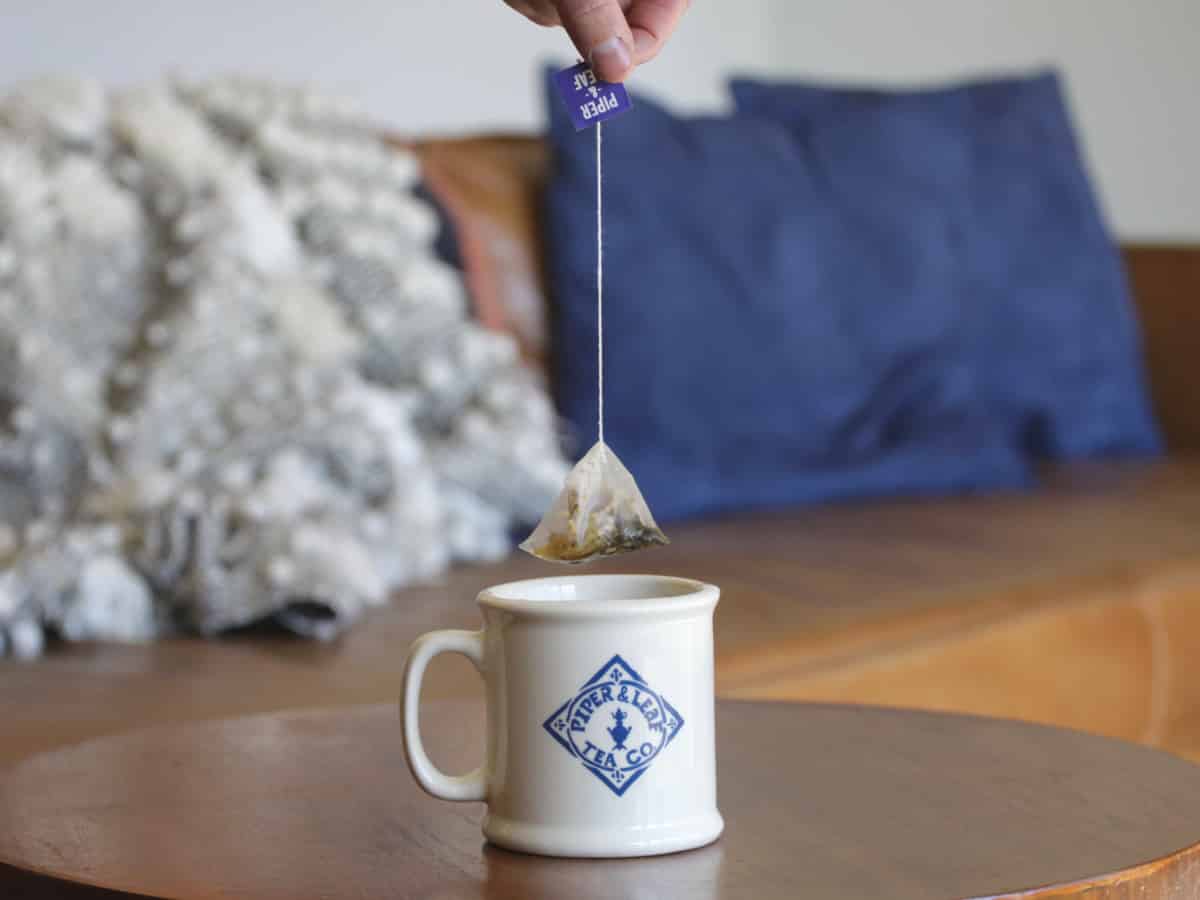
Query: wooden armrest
{"points": [[1166, 285]]}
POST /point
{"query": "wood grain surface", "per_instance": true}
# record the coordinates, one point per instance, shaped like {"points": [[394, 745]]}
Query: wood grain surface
{"points": [[820, 801]]}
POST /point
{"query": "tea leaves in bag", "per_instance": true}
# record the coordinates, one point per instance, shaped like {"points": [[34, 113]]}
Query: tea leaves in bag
{"points": [[600, 512]]}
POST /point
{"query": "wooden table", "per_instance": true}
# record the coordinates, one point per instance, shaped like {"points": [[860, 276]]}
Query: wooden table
{"points": [[826, 802]]}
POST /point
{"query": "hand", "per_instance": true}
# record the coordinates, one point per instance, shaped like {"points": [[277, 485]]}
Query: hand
{"points": [[613, 35]]}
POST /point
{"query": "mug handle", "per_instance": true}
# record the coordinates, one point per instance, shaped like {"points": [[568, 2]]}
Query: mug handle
{"points": [[473, 785]]}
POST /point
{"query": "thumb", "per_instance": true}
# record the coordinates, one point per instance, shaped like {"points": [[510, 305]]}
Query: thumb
{"points": [[600, 34]]}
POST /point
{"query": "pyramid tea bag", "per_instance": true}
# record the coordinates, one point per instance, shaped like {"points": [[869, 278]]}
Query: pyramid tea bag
{"points": [[599, 513]]}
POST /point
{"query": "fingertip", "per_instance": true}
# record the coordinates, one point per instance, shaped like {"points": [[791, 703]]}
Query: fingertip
{"points": [[652, 22], [645, 45], [611, 60]]}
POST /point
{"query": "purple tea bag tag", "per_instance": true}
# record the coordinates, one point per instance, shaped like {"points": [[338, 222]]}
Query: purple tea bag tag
{"points": [[590, 100]]}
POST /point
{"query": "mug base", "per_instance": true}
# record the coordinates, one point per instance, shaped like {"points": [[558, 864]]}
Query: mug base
{"points": [[597, 842]]}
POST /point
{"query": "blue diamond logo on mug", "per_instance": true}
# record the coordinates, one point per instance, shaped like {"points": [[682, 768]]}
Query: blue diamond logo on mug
{"points": [[616, 725]]}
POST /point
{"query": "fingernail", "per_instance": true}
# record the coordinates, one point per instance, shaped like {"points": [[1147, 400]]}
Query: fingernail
{"points": [[611, 60]]}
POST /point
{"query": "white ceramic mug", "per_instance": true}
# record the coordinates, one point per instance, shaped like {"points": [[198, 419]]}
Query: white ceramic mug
{"points": [[599, 715]]}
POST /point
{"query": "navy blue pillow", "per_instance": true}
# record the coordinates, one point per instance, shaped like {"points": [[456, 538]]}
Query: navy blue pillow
{"points": [[783, 318], [1054, 334]]}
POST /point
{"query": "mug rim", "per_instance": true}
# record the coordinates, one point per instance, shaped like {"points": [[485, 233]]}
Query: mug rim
{"points": [[698, 596]]}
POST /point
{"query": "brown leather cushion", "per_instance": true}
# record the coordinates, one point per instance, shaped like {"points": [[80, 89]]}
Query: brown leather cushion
{"points": [[492, 187]]}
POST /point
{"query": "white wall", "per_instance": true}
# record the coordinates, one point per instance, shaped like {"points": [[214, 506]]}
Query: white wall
{"points": [[417, 65], [1132, 69], [451, 65]]}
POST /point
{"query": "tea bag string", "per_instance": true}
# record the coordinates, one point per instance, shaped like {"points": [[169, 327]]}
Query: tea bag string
{"points": [[599, 286]]}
